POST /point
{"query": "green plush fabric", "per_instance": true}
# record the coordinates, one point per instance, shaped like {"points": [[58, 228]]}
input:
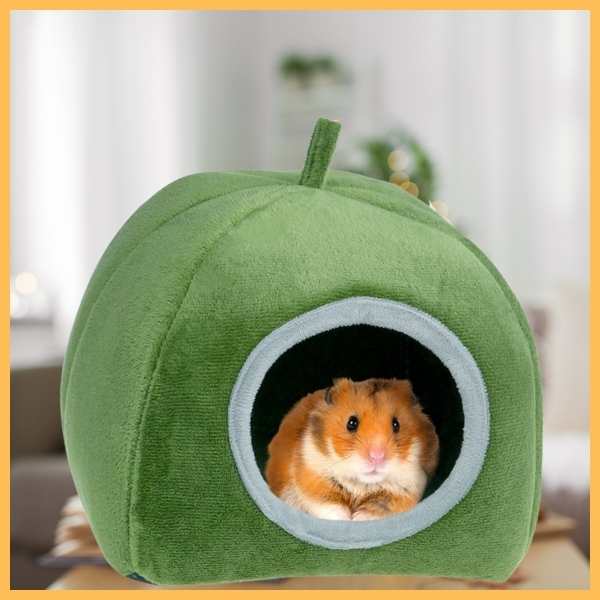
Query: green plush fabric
{"points": [[320, 152], [194, 280]]}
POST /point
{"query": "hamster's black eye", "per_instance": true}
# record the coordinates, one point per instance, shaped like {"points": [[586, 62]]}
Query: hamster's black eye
{"points": [[395, 425], [352, 424]]}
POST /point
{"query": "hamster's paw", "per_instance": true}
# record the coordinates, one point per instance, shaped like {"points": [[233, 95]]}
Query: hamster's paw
{"points": [[333, 512], [365, 515]]}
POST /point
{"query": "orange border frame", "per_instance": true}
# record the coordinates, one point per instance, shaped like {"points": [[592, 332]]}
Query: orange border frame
{"points": [[594, 357]]}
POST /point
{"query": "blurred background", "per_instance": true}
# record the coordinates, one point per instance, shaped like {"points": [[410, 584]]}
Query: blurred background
{"points": [[488, 112]]}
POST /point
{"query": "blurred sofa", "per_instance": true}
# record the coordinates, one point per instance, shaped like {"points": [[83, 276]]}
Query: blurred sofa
{"points": [[566, 481], [40, 478]]}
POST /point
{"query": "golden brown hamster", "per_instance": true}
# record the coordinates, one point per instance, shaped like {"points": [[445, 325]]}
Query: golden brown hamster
{"points": [[357, 450]]}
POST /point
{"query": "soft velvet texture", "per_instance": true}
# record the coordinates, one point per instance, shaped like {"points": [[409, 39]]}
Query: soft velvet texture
{"points": [[193, 281]]}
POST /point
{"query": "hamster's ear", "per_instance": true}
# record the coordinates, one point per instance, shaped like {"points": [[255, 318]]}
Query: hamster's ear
{"points": [[411, 392], [404, 387], [340, 384]]}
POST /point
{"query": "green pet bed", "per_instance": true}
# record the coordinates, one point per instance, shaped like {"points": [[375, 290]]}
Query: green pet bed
{"points": [[226, 298]]}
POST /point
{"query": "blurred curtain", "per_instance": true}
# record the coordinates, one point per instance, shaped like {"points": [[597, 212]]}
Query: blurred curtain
{"points": [[96, 128], [106, 108]]}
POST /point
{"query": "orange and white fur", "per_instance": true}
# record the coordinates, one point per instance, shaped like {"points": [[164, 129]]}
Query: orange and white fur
{"points": [[354, 451]]}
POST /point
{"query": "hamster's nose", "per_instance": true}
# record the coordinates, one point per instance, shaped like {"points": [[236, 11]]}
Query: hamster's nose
{"points": [[376, 455]]}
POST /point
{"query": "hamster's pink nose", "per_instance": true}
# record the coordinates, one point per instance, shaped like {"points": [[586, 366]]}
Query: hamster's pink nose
{"points": [[376, 455]]}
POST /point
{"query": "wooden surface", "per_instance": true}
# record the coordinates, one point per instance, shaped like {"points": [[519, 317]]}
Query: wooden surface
{"points": [[553, 562]]}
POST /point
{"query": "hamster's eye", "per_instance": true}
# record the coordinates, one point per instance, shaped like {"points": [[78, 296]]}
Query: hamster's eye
{"points": [[395, 425], [352, 424]]}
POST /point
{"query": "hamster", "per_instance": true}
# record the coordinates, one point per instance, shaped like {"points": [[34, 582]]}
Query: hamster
{"points": [[355, 451]]}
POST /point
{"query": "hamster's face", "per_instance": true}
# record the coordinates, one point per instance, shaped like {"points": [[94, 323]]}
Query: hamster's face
{"points": [[373, 432]]}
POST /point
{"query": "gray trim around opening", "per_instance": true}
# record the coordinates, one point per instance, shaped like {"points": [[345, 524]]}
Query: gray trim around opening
{"points": [[380, 313]]}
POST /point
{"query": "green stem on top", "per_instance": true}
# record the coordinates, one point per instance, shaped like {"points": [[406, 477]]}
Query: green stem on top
{"points": [[320, 151]]}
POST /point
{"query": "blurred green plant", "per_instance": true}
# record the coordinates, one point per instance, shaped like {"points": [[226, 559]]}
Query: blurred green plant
{"points": [[305, 69], [376, 159]]}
